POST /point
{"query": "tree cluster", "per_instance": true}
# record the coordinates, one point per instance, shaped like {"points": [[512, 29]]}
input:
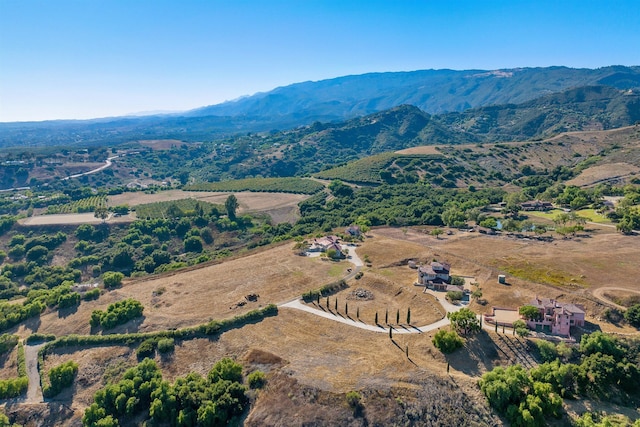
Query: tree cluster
{"points": [[60, 377], [602, 366], [214, 400], [116, 314]]}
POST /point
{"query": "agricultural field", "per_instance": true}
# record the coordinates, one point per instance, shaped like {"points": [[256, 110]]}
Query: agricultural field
{"points": [[272, 185], [88, 204], [161, 209], [365, 170]]}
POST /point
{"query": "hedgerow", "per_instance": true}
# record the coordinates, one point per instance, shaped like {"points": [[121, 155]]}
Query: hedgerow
{"points": [[324, 291]]}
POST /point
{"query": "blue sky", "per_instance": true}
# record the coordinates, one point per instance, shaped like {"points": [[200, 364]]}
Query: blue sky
{"points": [[76, 59]]}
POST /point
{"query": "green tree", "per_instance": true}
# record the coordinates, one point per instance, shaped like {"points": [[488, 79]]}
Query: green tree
{"points": [[231, 205], [436, 232], [112, 279], [520, 327], [464, 320], [193, 244], [530, 312], [38, 254], [447, 341], [632, 315], [101, 213]]}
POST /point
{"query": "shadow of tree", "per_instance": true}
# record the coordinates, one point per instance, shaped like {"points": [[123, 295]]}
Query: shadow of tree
{"points": [[477, 355]]}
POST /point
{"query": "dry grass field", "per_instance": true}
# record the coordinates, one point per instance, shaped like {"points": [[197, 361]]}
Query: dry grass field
{"points": [[316, 354], [567, 269], [212, 292], [604, 173], [9, 364]]}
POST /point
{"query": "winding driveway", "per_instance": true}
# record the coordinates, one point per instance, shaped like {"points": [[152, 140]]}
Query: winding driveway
{"points": [[398, 329]]}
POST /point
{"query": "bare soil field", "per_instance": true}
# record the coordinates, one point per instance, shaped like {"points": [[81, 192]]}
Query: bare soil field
{"points": [[73, 219], [282, 207], [213, 292], [163, 144], [423, 149]]}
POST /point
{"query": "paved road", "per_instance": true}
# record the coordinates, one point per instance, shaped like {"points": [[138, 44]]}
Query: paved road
{"points": [[398, 329], [107, 164]]}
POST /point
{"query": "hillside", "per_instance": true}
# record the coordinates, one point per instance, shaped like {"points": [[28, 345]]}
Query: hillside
{"points": [[333, 100]]}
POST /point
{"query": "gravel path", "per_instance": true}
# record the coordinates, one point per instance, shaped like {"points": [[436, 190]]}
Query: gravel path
{"points": [[34, 392]]}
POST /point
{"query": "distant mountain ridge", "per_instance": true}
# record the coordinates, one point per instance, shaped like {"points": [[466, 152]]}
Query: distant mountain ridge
{"points": [[344, 98], [433, 91]]}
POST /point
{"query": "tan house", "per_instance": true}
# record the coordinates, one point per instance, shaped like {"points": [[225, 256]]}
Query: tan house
{"points": [[435, 275]]}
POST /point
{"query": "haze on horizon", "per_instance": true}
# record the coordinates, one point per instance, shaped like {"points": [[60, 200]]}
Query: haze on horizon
{"points": [[87, 59]]}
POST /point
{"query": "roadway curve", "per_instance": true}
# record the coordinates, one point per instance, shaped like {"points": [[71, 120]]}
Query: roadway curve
{"points": [[398, 329], [107, 163], [599, 293]]}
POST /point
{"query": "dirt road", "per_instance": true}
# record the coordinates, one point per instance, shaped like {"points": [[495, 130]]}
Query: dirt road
{"points": [[599, 293]]}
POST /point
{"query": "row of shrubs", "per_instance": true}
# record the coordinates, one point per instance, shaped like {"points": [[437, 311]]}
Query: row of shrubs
{"points": [[15, 387], [149, 346], [324, 291]]}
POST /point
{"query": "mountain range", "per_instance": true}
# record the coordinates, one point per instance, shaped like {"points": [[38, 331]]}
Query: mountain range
{"points": [[479, 104]]}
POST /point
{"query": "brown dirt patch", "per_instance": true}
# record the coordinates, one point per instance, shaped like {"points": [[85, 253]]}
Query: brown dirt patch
{"points": [[163, 144], [388, 296], [423, 149]]}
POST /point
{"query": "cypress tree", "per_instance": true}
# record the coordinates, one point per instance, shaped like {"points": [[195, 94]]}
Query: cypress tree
{"points": [[390, 332], [358, 313], [336, 303], [409, 316], [398, 317], [386, 316], [376, 317], [346, 308]]}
